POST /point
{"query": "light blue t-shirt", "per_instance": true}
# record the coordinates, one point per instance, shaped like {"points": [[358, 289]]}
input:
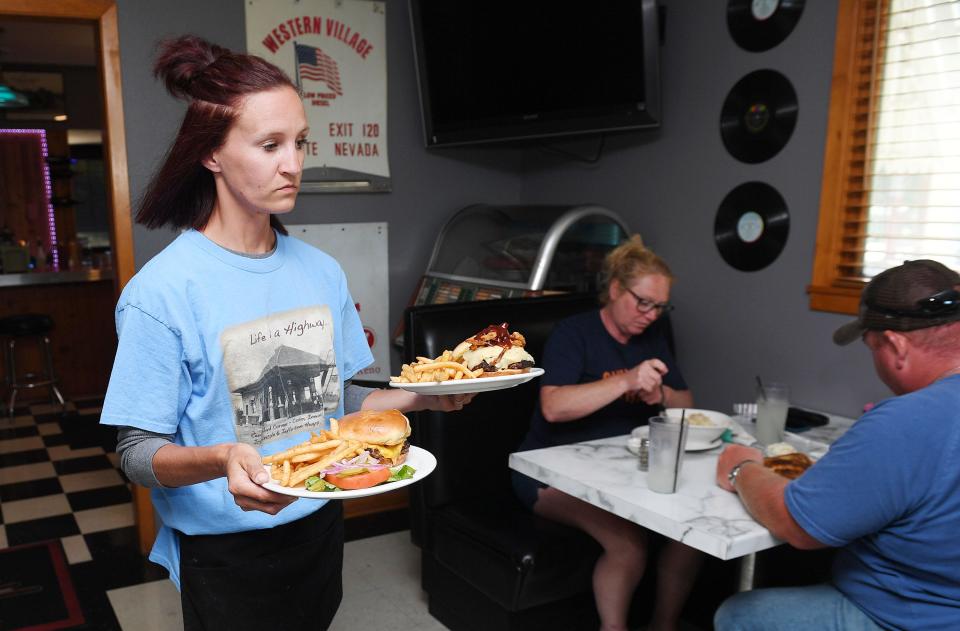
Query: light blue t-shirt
{"points": [[216, 347], [888, 492]]}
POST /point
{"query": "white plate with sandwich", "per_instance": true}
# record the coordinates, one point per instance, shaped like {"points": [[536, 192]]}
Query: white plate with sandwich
{"points": [[420, 460], [468, 386], [364, 453]]}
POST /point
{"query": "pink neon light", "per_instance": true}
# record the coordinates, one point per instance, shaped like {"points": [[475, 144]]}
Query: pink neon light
{"points": [[48, 187]]}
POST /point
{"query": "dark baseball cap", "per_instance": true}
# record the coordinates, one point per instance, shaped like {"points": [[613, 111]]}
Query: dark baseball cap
{"points": [[916, 295]]}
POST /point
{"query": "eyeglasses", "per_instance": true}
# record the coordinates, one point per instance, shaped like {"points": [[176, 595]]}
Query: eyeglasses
{"points": [[934, 306], [646, 306]]}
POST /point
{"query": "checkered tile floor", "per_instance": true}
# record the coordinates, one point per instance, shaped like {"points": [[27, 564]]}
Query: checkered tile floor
{"points": [[60, 479]]}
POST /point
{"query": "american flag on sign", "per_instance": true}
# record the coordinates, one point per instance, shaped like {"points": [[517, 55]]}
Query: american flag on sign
{"points": [[316, 65]]}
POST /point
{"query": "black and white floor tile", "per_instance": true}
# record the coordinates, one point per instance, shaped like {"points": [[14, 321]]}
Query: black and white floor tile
{"points": [[60, 480]]}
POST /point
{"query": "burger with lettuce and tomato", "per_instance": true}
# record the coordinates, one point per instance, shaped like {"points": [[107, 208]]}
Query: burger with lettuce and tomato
{"points": [[383, 434]]}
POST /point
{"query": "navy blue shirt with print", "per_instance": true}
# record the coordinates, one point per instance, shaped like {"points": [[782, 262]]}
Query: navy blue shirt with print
{"points": [[580, 350]]}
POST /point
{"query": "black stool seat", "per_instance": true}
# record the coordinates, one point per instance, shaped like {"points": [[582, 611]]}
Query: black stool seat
{"points": [[26, 324]]}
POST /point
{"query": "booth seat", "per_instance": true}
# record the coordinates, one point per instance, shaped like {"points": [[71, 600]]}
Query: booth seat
{"points": [[488, 563]]}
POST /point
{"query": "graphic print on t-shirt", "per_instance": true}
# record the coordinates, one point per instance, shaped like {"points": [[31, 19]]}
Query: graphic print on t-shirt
{"points": [[282, 373]]}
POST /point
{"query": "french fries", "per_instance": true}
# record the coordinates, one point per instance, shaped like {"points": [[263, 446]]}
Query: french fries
{"points": [[443, 368], [348, 450], [302, 449], [293, 466]]}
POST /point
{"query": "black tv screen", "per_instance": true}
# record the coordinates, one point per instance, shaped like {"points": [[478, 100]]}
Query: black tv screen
{"points": [[497, 70]]}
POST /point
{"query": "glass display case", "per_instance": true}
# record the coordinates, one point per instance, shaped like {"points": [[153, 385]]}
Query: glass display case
{"points": [[485, 252]]}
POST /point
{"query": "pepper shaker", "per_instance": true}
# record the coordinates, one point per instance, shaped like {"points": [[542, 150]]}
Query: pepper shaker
{"points": [[644, 453]]}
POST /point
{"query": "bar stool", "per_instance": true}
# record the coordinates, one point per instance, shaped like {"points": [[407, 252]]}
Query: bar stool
{"points": [[19, 327]]}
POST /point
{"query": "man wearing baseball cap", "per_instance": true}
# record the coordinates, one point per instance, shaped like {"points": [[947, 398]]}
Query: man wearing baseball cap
{"points": [[887, 494]]}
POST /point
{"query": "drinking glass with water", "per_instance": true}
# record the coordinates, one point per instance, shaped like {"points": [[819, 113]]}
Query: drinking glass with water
{"points": [[773, 401], [668, 439]]}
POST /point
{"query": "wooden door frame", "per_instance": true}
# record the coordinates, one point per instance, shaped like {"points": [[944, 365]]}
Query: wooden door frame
{"points": [[103, 15]]}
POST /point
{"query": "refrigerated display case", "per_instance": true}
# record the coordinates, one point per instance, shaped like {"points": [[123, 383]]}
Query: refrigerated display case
{"points": [[485, 252]]}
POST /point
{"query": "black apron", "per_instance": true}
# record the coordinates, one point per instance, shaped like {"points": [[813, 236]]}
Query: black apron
{"points": [[288, 577]]}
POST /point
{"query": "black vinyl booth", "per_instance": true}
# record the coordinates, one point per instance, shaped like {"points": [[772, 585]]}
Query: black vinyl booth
{"points": [[487, 562]]}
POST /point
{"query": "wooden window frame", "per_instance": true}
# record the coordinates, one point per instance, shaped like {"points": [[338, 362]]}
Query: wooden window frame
{"points": [[103, 15], [858, 39]]}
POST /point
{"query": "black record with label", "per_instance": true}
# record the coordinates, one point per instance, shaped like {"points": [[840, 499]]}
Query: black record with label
{"points": [[758, 116], [758, 25], [751, 226]]}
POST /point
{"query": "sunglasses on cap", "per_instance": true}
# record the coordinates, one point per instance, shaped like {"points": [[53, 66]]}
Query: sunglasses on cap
{"points": [[934, 306]]}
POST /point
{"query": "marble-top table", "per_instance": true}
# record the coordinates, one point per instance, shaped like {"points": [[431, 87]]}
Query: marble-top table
{"points": [[700, 514]]}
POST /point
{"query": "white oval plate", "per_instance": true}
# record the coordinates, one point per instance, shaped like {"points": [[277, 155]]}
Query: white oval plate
{"points": [[644, 430], [467, 386], [420, 459]]}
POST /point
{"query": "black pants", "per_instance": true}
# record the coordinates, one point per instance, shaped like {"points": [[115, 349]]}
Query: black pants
{"points": [[288, 577]]}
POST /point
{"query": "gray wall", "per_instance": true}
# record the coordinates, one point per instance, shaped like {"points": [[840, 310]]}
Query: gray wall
{"points": [[731, 325], [427, 187]]}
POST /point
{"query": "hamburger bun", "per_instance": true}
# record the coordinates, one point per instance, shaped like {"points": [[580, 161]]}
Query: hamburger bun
{"points": [[790, 466], [383, 433], [375, 427], [505, 371]]}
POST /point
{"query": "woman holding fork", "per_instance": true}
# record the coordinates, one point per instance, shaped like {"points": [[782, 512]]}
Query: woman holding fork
{"points": [[607, 372]]}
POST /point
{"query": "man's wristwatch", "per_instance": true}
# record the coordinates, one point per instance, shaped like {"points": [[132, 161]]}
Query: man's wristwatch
{"points": [[735, 471]]}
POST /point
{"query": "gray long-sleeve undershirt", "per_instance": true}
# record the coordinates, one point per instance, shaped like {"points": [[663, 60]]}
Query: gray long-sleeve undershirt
{"points": [[137, 447]]}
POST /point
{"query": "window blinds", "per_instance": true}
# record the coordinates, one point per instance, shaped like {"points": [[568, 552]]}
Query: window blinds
{"points": [[903, 196]]}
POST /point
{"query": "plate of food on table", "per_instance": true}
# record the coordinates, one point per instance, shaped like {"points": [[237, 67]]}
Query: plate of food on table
{"points": [[705, 429], [785, 460], [492, 359], [364, 453]]}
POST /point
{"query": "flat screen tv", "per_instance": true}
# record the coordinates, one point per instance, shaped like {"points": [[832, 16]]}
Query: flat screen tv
{"points": [[503, 70]]}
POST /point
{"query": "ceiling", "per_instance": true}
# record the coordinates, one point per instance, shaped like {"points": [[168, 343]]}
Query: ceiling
{"points": [[47, 42]]}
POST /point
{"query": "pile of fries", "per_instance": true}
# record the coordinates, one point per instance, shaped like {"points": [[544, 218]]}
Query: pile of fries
{"points": [[443, 368], [292, 467]]}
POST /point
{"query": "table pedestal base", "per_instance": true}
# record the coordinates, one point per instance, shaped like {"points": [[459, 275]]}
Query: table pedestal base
{"points": [[747, 565]]}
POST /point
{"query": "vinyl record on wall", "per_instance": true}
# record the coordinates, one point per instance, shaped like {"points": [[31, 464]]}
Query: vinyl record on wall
{"points": [[758, 116], [751, 226], [758, 25]]}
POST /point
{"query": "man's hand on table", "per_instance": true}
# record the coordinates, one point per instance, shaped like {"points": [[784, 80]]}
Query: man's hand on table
{"points": [[731, 457], [762, 494]]}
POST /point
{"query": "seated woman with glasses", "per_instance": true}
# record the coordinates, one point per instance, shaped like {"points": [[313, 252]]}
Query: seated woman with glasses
{"points": [[608, 371]]}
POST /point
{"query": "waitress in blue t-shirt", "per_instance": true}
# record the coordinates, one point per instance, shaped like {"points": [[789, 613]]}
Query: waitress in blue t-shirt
{"points": [[237, 341], [607, 372]]}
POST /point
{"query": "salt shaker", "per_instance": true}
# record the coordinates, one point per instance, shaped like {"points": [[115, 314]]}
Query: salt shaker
{"points": [[644, 453]]}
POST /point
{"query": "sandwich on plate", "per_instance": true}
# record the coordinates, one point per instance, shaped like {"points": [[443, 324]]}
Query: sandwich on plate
{"points": [[382, 435], [496, 351]]}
